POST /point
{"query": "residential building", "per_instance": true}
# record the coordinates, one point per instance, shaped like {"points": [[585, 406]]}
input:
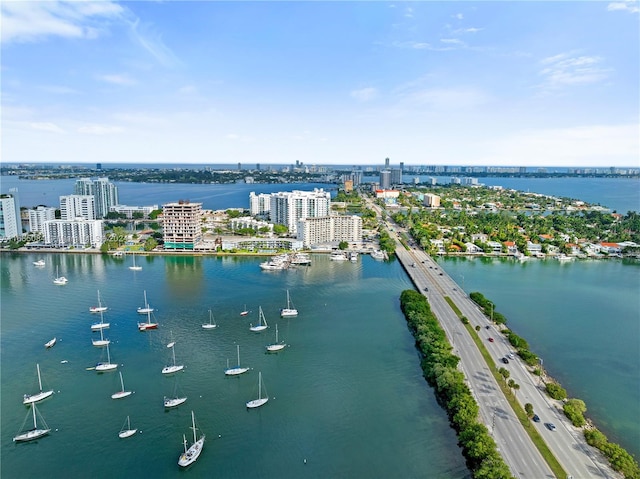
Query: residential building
{"points": [[385, 179], [38, 216], [330, 229], [77, 206], [287, 208], [259, 205], [431, 200], [496, 247], [249, 222], [130, 210], [104, 192], [10, 222], [182, 224], [77, 233]]}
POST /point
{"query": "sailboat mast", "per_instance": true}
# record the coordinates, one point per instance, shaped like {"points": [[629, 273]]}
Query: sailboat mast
{"points": [[35, 426], [39, 380], [260, 385], [238, 347], [193, 421]]}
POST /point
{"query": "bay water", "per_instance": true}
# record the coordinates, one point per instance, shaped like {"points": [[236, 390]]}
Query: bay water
{"points": [[347, 397]]}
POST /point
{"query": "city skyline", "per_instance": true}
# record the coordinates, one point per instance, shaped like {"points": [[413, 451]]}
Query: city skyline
{"points": [[536, 84]]}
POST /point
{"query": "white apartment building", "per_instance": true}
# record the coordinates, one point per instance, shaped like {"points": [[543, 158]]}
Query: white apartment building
{"points": [[10, 223], [259, 205], [38, 216], [288, 208], [104, 192], [249, 222], [130, 210], [77, 206], [431, 200], [329, 229], [182, 224], [78, 233]]}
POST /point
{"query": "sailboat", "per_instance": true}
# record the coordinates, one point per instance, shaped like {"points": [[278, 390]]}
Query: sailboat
{"points": [[245, 311], [211, 324], [146, 308], [174, 401], [35, 432], [99, 308], [173, 368], [254, 403], [99, 343], [51, 343], [59, 280], [288, 311], [40, 263], [40, 395], [122, 393], [262, 322], [100, 325], [189, 456], [276, 346], [127, 431], [108, 366], [237, 369], [134, 267]]}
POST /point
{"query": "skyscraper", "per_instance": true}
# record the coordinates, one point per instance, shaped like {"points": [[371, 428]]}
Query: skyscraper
{"points": [[287, 208], [105, 193], [10, 223], [182, 224], [77, 206], [386, 163], [385, 180]]}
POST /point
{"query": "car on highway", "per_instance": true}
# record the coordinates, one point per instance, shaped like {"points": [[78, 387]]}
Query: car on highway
{"points": [[426, 289], [536, 418], [505, 360], [510, 356], [550, 426], [490, 340], [487, 327]]}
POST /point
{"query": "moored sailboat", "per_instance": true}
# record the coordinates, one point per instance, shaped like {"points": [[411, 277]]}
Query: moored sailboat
{"points": [[59, 280], [277, 346], [100, 325], [174, 401], [211, 324], [122, 393], [126, 430], [172, 368], [35, 432], [254, 403], [40, 395], [134, 267], [190, 455], [108, 366], [237, 369], [99, 308], [99, 343], [146, 308], [262, 322], [289, 311]]}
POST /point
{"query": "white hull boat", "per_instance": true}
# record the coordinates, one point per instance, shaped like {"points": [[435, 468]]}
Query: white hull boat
{"points": [[108, 366], [238, 369], [39, 396], [211, 324], [172, 368], [59, 280], [122, 393], [277, 346], [51, 343], [35, 432], [99, 308], [146, 309], [288, 312], [190, 455], [126, 430], [262, 322], [254, 403]]}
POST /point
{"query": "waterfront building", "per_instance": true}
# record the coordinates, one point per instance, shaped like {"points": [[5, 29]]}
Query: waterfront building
{"points": [[431, 200], [77, 206], [385, 180], [38, 216], [246, 222], [104, 192], [455, 180], [77, 233], [130, 210], [10, 222], [182, 224], [396, 176], [330, 229], [259, 205], [288, 208]]}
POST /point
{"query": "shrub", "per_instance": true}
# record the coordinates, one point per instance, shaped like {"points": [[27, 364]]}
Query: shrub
{"points": [[556, 391]]}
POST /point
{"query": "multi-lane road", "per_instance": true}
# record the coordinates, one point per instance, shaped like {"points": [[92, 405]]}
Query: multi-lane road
{"points": [[523, 458]]}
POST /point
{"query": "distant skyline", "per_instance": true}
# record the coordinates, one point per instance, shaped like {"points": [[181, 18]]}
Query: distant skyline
{"points": [[535, 84]]}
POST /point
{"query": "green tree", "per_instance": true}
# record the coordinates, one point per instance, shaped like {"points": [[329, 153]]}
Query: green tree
{"points": [[280, 229], [528, 408], [343, 245]]}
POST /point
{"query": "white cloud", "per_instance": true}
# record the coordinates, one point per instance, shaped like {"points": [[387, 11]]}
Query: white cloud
{"points": [[412, 44], [630, 6], [458, 16], [46, 126], [96, 129], [117, 79], [365, 94], [28, 21], [565, 70], [445, 99], [153, 43], [452, 41]]}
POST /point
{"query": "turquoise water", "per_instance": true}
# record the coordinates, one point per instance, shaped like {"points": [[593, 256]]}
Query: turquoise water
{"points": [[583, 319], [347, 395]]}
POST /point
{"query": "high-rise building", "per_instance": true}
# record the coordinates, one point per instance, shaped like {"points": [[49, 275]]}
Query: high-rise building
{"points": [[329, 229], [77, 206], [105, 193], [287, 208], [77, 232], [259, 205], [10, 222], [385, 180], [396, 176], [402, 166], [38, 216], [386, 163], [182, 224]]}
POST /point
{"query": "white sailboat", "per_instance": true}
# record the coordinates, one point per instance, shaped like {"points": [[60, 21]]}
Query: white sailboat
{"points": [[262, 322], [108, 366], [126, 430], [134, 267], [245, 311], [35, 432], [277, 346], [172, 368], [288, 311], [148, 325], [189, 456], [40, 395], [122, 393], [174, 401], [51, 343], [59, 280], [146, 308], [254, 403], [237, 369], [99, 308], [100, 343], [40, 263], [211, 324], [100, 325]]}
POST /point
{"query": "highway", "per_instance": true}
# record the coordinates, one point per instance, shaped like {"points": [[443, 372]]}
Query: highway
{"points": [[524, 460]]}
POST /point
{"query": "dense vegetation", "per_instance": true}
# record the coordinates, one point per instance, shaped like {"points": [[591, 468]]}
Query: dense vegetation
{"points": [[619, 459], [439, 367]]}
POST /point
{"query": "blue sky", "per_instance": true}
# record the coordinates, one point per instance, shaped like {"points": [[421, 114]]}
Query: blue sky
{"points": [[458, 83]]}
